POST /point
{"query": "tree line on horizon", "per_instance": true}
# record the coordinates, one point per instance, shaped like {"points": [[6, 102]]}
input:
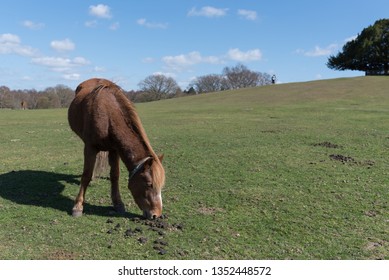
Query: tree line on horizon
{"points": [[152, 88]]}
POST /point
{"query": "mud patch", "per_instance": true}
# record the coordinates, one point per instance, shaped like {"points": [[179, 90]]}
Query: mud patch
{"points": [[159, 228], [60, 255], [377, 248], [343, 159], [327, 144], [373, 245], [371, 213], [349, 160]]}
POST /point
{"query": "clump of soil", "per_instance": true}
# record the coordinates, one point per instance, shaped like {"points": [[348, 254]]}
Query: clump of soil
{"points": [[342, 159], [142, 240], [369, 162], [350, 160], [160, 226], [160, 246], [327, 144]]}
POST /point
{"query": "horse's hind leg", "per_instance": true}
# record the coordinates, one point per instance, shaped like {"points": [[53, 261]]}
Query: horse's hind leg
{"points": [[89, 163], [114, 176]]}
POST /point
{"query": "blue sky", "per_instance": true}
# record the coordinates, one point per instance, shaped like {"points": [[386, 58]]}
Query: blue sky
{"points": [[45, 43]]}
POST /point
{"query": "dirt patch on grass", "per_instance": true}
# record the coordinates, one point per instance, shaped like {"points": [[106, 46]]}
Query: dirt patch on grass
{"points": [[60, 255], [373, 245], [327, 144], [349, 160], [371, 213], [377, 248], [159, 227], [342, 158]]}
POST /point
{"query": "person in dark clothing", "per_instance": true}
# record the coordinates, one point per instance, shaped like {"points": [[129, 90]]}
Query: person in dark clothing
{"points": [[273, 79]]}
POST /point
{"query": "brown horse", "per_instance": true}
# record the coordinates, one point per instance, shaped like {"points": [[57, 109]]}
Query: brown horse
{"points": [[103, 117], [23, 105]]}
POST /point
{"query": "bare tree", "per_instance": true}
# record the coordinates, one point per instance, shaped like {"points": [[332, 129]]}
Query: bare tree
{"points": [[5, 97], [209, 83], [159, 86], [240, 76], [32, 100], [65, 95]]}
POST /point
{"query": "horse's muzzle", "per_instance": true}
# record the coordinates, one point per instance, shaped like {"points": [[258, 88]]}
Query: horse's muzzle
{"points": [[150, 215]]}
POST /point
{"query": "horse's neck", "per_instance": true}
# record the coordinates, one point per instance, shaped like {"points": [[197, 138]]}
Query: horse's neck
{"points": [[132, 150]]}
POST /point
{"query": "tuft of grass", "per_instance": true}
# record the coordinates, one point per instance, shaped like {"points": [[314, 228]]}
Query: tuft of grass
{"points": [[248, 177]]}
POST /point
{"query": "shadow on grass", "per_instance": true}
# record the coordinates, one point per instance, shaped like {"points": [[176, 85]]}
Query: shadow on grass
{"points": [[44, 189]]}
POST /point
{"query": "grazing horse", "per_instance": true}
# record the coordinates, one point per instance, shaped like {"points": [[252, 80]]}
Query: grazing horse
{"points": [[23, 105], [105, 120]]}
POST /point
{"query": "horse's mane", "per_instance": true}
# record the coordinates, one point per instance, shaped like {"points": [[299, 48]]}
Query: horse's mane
{"points": [[133, 121]]}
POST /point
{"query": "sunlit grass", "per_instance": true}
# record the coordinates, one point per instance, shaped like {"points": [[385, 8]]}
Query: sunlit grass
{"points": [[245, 177]]}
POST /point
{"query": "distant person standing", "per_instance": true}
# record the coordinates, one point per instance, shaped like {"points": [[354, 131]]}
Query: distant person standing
{"points": [[273, 79]]}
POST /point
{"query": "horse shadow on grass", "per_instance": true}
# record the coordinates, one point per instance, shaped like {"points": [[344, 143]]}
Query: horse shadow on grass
{"points": [[44, 189]]}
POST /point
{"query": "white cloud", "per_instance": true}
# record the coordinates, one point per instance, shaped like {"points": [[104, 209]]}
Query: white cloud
{"points": [[11, 44], [99, 69], [141, 21], [178, 62], [33, 25], [91, 23], [183, 60], [9, 38], [80, 61], [101, 11], [64, 45], [248, 14], [208, 11], [72, 77], [250, 55], [144, 22], [318, 51], [52, 62], [60, 64], [166, 74]]}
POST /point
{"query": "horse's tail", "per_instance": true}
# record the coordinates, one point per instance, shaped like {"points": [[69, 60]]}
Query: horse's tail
{"points": [[101, 166]]}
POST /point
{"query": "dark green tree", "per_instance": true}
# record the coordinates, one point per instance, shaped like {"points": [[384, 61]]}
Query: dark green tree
{"points": [[191, 91], [368, 52]]}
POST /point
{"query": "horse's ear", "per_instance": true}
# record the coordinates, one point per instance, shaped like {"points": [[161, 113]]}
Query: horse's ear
{"points": [[149, 161], [161, 157], [147, 165]]}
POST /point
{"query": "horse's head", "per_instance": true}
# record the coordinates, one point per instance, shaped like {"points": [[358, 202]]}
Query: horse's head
{"points": [[145, 183]]}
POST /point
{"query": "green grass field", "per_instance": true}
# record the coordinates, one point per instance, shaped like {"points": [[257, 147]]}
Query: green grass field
{"points": [[291, 171]]}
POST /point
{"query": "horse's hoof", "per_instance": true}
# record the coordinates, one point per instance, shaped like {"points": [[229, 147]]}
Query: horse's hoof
{"points": [[120, 209], [76, 213]]}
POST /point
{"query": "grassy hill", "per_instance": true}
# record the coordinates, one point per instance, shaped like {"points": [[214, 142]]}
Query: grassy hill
{"points": [[290, 171]]}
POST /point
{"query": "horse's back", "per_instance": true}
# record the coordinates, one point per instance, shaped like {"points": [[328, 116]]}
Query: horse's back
{"points": [[90, 85], [88, 114]]}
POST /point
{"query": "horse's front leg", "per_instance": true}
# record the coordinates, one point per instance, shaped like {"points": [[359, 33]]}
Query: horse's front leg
{"points": [[117, 202], [89, 163]]}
